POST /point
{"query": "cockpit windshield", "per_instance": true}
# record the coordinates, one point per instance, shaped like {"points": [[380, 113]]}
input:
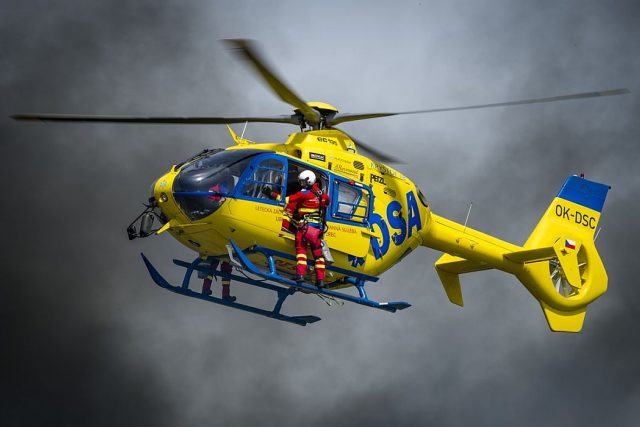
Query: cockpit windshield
{"points": [[218, 172]]}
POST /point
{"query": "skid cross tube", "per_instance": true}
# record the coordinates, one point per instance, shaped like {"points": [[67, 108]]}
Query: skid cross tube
{"points": [[273, 275], [183, 289], [270, 253], [216, 273]]}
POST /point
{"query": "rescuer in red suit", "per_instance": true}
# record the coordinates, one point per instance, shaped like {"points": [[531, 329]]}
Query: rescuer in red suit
{"points": [[304, 212]]}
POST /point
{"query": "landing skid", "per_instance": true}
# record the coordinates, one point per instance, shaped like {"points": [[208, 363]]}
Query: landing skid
{"points": [[282, 286], [183, 289]]}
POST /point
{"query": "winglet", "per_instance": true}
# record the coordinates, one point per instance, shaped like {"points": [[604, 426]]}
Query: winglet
{"points": [[451, 285], [564, 321], [449, 268]]}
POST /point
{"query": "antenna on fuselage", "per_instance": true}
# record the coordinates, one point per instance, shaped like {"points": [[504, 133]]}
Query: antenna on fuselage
{"points": [[244, 129], [597, 232], [467, 219]]}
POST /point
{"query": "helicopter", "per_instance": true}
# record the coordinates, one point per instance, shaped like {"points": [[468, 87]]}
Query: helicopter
{"points": [[376, 216]]}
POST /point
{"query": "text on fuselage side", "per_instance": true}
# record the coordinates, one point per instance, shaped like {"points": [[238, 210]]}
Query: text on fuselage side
{"points": [[576, 216]]}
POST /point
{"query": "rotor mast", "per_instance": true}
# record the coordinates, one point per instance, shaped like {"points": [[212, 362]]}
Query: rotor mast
{"points": [[326, 113]]}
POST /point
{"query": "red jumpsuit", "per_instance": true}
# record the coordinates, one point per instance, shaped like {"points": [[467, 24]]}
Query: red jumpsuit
{"points": [[304, 209]]}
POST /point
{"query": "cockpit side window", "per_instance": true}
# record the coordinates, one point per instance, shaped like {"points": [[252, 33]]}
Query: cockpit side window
{"points": [[267, 180], [203, 184]]}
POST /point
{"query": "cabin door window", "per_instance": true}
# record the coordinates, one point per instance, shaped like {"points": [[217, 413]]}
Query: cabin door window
{"points": [[350, 201], [266, 180]]}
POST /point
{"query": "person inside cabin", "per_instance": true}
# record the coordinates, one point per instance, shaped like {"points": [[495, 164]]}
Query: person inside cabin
{"points": [[302, 215], [272, 192], [221, 187]]}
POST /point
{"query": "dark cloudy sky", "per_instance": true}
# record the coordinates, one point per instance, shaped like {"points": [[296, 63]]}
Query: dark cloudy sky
{"points": [[88, 339]]}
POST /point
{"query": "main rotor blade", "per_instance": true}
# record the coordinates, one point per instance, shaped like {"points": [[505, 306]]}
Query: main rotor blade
{"points": [[156, 120], [343, 118], [247, 49], [375, 153]]}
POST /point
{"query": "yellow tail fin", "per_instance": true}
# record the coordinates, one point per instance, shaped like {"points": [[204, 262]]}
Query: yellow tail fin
{"points": [[558, 264], [562, 267]]}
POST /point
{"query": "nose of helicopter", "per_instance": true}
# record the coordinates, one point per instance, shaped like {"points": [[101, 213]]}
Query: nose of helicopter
{"points": [[155, 209], [193, 190], [162, 197]]}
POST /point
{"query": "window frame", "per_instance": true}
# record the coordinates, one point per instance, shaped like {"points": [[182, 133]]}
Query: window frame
{"points": [[254, 166], [321, 174], [334, 214]]}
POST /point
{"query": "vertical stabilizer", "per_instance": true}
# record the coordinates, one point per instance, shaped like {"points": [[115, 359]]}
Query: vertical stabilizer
{"points": [[563, 269]]}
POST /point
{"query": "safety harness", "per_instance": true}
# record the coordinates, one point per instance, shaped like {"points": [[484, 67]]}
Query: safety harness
{"points": [[314, 217]]}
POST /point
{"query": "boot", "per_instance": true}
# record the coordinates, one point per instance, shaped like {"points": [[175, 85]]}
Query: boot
{"points": [[226, 289], [320, 284], [299, 278], [206, 286]]}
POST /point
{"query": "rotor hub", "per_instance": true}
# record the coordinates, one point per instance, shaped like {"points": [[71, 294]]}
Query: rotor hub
{"points": [[327, 112]]}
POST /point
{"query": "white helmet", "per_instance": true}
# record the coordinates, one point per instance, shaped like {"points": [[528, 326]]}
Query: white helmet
{"points": [[307, 179]]}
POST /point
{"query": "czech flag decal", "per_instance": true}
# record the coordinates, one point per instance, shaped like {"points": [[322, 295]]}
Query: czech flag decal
{"points": [[569, 244]]}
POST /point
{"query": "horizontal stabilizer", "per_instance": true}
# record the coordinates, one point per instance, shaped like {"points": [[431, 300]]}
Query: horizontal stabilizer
{"points": [[564, 321], [451, 284], [531, 255], [449, 268], [454, 264]]}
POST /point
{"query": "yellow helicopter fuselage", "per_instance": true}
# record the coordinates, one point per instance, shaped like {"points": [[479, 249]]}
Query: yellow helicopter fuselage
{"points": [[368, 239]]}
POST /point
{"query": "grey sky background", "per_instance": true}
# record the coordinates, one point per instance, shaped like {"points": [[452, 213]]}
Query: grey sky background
{"points": [[88, 339]]}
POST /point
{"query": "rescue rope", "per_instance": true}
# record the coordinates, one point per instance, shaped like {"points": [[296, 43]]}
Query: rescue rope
{"points": [[329, 300], [241, 271]]}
